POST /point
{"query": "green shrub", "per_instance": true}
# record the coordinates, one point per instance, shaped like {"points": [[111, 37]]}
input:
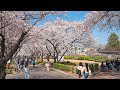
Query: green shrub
{"points": [[61, 67], [99, 57], [96, 66], [80, 57], [88, 58], [101, 60], [93, 67], [69, 57], [77, 71], [68, 63], [38, 62], [43, 63], [8, 71]]}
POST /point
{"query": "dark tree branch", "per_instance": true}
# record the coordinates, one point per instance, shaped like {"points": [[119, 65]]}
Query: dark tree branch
{"points": [[2, 45], [16, 46]]}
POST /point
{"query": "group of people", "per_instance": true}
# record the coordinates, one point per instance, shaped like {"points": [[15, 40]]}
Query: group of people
{"points": [[84, 70], [23, 65], [110, 65], [22, 61]]}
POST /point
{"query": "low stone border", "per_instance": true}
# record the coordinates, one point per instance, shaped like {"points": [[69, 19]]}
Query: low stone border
{"points": [[62, 72]]}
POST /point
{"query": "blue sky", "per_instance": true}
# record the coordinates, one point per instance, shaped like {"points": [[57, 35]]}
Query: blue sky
{"points": [[101, 36]]}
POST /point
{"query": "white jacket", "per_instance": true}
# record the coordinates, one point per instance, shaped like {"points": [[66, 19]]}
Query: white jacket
{"points": [[79, 67], [85, 70]]}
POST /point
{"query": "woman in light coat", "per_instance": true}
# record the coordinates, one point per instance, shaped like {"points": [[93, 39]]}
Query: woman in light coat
{"points": [[86, 71]]}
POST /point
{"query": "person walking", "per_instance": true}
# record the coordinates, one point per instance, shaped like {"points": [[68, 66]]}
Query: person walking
{"points": [[18, 62], [33, 62], [47, 63], [48, 57], [80, 67], [26, 72], [102, 67], [22, 63], [107, 66], [86, 71]]}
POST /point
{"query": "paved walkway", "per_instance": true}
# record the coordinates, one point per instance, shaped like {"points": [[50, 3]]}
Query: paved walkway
{"points": [[106, 75], [40, 72]]}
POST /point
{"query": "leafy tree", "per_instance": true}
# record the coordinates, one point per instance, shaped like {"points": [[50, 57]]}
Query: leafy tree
{"points": [[113, 42]]}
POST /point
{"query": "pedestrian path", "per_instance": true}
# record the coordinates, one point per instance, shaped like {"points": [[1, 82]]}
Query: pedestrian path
{"points": [[113, 74], [40, 72]]}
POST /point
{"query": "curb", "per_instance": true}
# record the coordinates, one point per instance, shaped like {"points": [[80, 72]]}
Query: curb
{"points": [[64, 73]]}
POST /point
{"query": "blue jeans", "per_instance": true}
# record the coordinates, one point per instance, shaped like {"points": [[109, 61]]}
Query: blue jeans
{"points": [[86, 75], [27, 75], [21, 66]]}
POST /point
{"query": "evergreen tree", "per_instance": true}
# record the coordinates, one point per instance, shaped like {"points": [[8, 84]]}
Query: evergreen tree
{"points": [[113, 42]]}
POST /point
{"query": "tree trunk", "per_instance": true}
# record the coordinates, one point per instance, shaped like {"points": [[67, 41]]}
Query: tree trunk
{"points": [[62, 55], [2, 71], [57, 57], [54, 57], [42, 57]]}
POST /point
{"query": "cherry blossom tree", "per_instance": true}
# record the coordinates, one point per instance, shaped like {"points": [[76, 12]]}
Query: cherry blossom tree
{"points": [[15, 27], [59, 35], [104, 20], [35, 47]]}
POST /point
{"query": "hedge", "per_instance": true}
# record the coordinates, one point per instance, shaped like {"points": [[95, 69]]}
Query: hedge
{"points": [[80, 57], [61, 67], [88, 58], [96, 66], [99, 57], [93, 67], [73, 69], [101, 60], [68, 63]]}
